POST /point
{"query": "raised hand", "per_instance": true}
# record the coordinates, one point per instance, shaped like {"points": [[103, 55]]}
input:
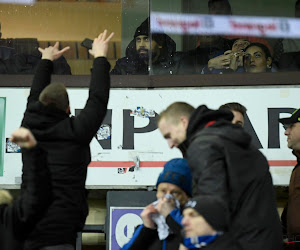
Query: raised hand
{"points": [[24, 138], [220, 62], [236, 60], [100, 45], [52, 52]]}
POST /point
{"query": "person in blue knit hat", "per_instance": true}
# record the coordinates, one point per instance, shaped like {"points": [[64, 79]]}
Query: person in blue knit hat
{"points": [[161, 228]]}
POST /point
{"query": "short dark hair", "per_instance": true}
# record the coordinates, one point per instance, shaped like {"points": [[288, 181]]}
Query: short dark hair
{"points": [[175, 111], [55, 95], [234, 106], [264, 49]]}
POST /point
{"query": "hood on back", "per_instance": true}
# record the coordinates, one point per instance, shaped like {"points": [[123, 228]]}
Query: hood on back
{"points": [[220, 123], [46, 117], [202, 115]]}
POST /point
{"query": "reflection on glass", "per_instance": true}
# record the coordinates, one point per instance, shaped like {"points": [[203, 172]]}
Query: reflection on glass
{"points": [[138, 50], [24, 28], [148, 54], [214, 37]]}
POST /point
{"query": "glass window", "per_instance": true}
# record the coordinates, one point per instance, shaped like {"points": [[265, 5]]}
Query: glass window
{"points": [[28, 25], [186, 37], [225, 36]]}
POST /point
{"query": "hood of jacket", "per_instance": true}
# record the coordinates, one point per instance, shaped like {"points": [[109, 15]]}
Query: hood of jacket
{"points": [[168, 49], [217, 122], [41, 117]]}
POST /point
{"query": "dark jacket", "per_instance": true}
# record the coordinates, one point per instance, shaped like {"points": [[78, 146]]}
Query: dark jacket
{"points": [[24, 64], [147, 239], [66, 139], [289, 61], [18, 219], [291, 216], [225, 165], [167, 63]]}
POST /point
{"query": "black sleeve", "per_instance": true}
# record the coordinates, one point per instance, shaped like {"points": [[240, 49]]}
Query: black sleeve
{"points": [[142, 238], [41, 79], [33, 200], [89, 120], [207, 162]]}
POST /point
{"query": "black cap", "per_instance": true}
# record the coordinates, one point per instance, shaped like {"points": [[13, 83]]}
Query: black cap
{"points": [[144, 30], [212, 209], [293, 119]]}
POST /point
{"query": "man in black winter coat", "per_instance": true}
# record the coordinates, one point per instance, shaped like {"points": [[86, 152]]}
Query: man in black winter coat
{"points": [[137, 61], [18, 219], [66, 140], [226, 167]]}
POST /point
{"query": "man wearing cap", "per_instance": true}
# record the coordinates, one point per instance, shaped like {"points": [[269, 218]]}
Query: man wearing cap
{"points": [[161, 48], [291, 216], [162, 227], [198, 231]]}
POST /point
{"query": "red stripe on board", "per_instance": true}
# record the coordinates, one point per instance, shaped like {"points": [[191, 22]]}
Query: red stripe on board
{"points": [[282, 163], [160, 164], [127, 164]]}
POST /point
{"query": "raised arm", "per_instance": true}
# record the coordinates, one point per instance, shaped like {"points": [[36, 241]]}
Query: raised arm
{"points": [[32, 202], [89, 120], [44, 70]]}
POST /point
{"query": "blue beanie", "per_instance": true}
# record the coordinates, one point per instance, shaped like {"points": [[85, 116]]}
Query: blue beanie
{"points": [[177, 172]]}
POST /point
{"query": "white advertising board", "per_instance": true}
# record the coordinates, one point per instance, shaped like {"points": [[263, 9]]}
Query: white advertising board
{"points": [[179, 23], [129, 130]]}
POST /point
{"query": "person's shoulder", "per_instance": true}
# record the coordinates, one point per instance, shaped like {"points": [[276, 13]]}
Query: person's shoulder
{"points": [[125, 66], [123, 60], [206, 138]]}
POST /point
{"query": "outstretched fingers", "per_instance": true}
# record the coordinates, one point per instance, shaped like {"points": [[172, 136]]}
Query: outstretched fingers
{"points": [[100, 36], [41, 50], [103, 35], [56, 45], [109, 37], [64, 49]]}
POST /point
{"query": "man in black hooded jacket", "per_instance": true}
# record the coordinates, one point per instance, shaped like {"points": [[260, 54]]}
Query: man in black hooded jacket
{"points": [[66, 140], [162, 48], [226, 166]]}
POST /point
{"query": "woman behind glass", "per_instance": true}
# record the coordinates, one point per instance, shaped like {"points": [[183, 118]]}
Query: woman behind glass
{"points": [[257, 59]]}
